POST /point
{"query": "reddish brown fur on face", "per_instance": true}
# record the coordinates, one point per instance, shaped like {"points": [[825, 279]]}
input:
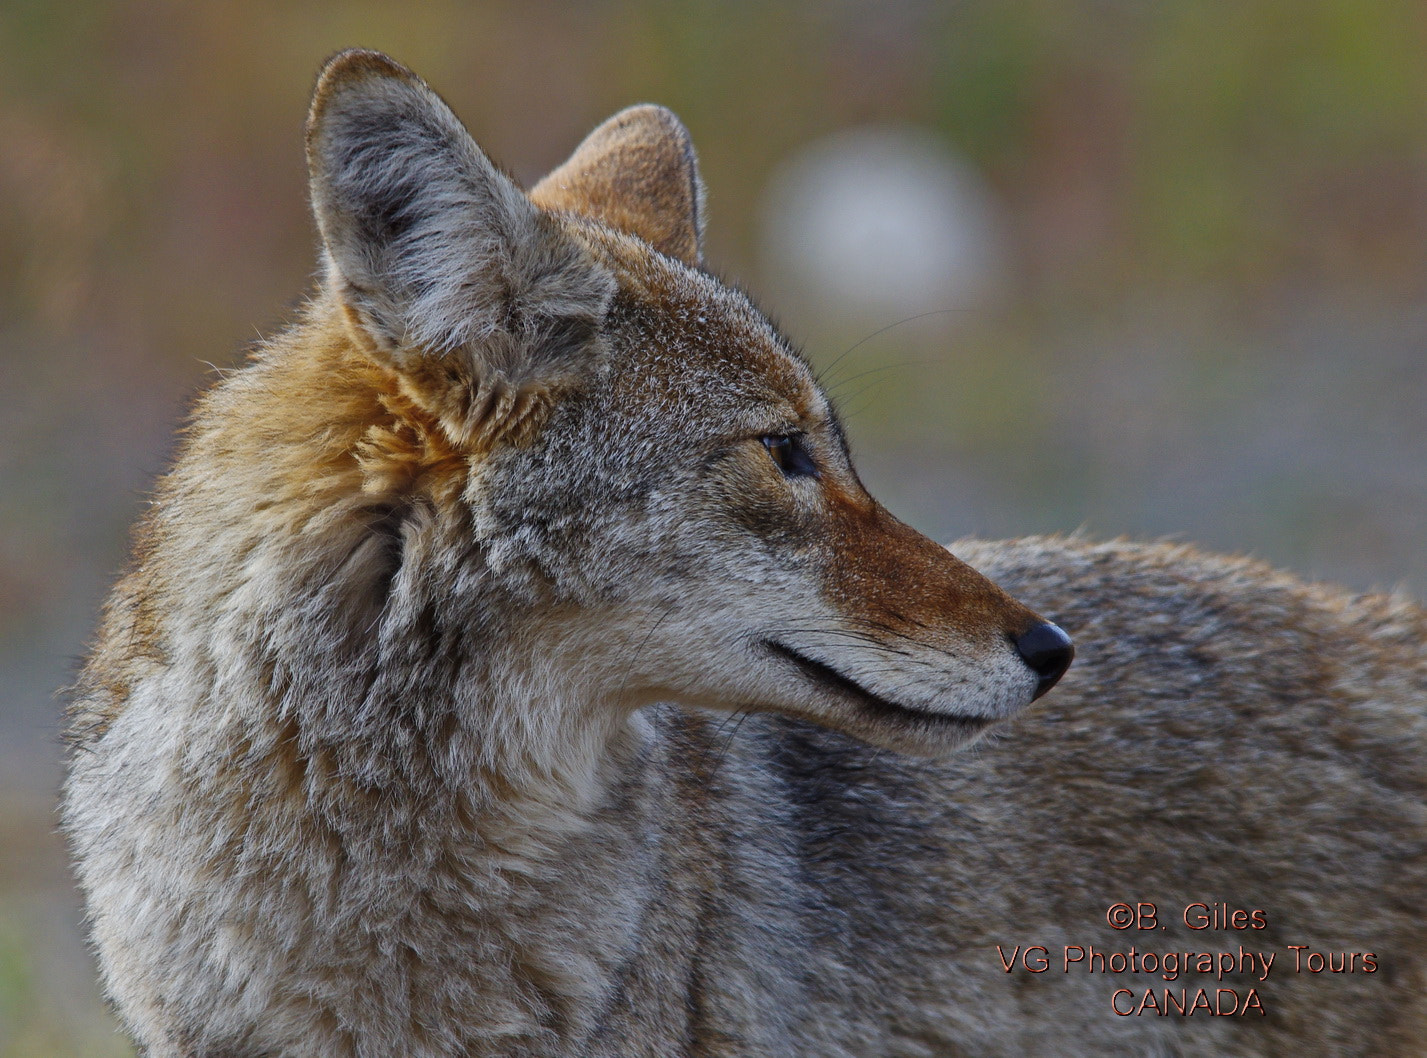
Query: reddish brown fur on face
{"points": [[893, 575]]}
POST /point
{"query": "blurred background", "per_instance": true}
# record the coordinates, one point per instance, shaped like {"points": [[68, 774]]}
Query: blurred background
{"points": [[1145, 269]]}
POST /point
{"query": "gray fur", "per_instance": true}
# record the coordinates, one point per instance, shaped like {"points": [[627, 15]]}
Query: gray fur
{"points": [[438, 716]]}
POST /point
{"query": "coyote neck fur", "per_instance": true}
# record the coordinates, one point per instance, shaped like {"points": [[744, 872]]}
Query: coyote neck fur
{"points": [[430, 694], [432, 762]]}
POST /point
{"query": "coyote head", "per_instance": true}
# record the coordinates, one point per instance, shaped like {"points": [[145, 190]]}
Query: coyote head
{"points": [[600, 473]]}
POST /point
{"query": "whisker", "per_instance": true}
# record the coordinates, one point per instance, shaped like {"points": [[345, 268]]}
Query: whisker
{"points": [[878, 641], [653, 627], [878, 333], [727, 719], [833, 387], [728, 744], [861, 637]]}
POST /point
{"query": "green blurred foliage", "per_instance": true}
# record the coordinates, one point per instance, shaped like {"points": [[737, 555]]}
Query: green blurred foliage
{"points": [[36, 1023], [1234, 142]]}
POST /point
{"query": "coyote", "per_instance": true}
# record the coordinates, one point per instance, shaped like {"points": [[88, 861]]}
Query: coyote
{"points": [[513, 664]]}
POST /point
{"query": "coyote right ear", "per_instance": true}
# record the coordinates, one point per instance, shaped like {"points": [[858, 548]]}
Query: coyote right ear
{"points": [[638, 173], [435, 251]]}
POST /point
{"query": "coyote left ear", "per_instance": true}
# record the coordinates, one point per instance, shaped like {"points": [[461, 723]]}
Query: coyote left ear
{"points": [[638, 173]]}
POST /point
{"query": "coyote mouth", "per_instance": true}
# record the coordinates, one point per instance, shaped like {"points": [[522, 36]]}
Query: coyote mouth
{"points": [[820, 673]]}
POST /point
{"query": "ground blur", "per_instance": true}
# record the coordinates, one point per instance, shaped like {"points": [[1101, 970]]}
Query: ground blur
{"points": [[1190, 298]]}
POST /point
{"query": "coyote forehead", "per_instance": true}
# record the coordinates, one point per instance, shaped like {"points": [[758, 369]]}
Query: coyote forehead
{"points": [[699, 352]]}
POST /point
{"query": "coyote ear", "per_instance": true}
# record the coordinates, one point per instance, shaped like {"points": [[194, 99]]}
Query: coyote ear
{"points": [[430, 246], [638, 173]]}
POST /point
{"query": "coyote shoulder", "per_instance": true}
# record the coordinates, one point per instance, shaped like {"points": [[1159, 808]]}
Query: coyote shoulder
{"points": [[513, 664]]}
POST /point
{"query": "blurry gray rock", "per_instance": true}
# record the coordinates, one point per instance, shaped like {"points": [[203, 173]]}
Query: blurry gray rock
{"points": [[882, 221]]}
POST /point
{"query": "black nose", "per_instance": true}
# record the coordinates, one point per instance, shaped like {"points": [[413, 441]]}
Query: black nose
{"points": [[1048, 651]]}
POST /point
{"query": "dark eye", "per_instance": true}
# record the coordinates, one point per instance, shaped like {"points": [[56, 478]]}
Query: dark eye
{"points": [[790, 455]]}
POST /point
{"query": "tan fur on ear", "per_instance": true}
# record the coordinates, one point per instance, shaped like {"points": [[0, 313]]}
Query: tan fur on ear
{"points": [[638, 173]]}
